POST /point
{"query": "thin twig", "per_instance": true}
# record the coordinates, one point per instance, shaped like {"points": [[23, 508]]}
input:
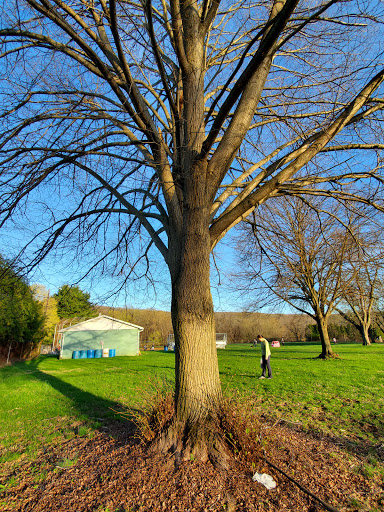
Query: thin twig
{"points": [[323, 503]]}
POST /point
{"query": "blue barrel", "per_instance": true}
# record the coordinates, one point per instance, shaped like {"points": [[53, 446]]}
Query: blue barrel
{"points": [[165, 349], [83, 354], [112, 352], [90, 354], [76, 354], [98, 353]]}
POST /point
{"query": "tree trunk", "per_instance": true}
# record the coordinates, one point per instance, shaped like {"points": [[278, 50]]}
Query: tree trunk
{"points": [[364, 333], [198, 388], [326, 349], [9, 352]]}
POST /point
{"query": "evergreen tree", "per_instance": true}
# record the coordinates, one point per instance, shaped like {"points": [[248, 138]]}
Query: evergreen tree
{"points": [[21, 318], [73, 302]]}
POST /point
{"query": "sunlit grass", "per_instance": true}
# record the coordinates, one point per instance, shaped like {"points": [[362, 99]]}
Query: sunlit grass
{"points": [[47, 400], [342, 396]]}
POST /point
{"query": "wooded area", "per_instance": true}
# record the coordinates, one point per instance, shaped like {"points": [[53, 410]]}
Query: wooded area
{"points": [[240, 327]]}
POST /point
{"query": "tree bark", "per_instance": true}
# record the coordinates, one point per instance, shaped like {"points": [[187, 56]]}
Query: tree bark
{"points": [[326, 349], [197, 389], [9, 352], [363, 329]]}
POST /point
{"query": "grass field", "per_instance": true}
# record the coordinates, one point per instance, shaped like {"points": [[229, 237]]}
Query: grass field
{"points": [[47, 400]]}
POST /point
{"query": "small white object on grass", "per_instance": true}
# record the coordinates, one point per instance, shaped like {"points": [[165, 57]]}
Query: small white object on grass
{"points": [[265, 480]]}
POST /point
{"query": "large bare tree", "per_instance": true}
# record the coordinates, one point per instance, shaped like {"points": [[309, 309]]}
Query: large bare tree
{"points": [[378, 313], [297, 254], [164, 123], [364, 275]]}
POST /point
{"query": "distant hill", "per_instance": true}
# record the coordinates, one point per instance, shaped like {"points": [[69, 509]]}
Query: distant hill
{"points": [[240, 327]]}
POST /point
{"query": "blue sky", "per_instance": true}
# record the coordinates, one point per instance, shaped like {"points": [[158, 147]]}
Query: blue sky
{"points": [[55, 203], [58, 270]]}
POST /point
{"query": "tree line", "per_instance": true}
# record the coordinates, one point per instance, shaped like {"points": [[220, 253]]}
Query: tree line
{"points": [[30, 316], [240, 327]]}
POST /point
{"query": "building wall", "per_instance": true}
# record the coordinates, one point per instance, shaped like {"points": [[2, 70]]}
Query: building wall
{"points": [[124, 341], [101, 323]]}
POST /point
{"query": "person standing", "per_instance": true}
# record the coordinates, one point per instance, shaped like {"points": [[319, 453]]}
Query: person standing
{"points": [[265, 357]]}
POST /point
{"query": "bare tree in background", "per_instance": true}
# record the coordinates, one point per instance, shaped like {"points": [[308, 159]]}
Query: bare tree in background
{"points": [[131, 126], [378, 313], [297, 254], [296, 327], [363, 280]]}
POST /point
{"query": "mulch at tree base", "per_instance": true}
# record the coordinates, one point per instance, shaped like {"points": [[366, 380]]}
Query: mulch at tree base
{"points": [[112, 472]]}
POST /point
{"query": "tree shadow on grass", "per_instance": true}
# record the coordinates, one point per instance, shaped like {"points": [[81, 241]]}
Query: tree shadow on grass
{"points": [[309, 358], [256, 352], [89, 407]]}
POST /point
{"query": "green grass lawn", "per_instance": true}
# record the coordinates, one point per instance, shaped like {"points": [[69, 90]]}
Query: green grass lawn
{"points": [[46, 400], [343, 396]]}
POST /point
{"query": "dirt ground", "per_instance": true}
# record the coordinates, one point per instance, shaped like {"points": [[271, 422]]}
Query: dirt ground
{"points": [[114, 472]]}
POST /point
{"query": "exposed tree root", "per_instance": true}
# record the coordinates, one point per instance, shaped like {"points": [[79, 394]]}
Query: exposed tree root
{"points": [[231, 430], [328, 356], [200, 442]]}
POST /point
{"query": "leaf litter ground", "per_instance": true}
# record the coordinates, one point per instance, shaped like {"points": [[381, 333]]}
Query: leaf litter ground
{"points": [[114, 472]]}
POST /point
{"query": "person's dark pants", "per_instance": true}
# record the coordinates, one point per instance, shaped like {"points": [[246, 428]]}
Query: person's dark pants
{"points": [[266, 364]]}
